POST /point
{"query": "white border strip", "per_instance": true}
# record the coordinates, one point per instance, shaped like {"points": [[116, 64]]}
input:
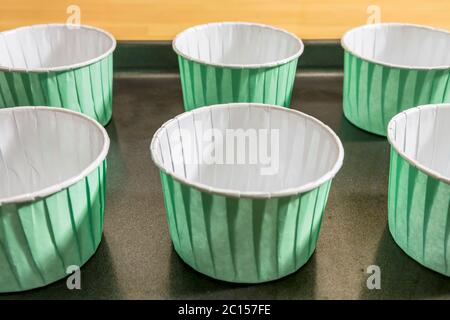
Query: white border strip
{"points": [[239, 66], [67, 67], [412, 161], [71, 181], [256, 195], [399, 66]]}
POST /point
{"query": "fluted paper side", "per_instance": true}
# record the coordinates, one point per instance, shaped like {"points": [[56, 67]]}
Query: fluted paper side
{"points": [[87, 89], [241, 239], [419, 214], [373, 93], [204, 85], [40, 239]]}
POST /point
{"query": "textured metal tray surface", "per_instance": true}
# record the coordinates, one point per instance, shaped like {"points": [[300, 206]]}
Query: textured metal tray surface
{"points": [[136, 260]]}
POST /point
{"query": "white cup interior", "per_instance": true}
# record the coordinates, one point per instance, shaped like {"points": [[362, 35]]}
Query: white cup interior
{"points": [[237, 44], [285, 151], [53, 46], [44, 147], [400, 45], [422, 136]]}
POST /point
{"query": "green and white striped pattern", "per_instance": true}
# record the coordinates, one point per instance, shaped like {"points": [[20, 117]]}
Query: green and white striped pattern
{"points": [[39, 240], [86, 89], [419, 214], [243, 239], [204, 84], [374, 93]]}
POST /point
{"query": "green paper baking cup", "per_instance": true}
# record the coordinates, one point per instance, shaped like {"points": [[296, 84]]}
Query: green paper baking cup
{"points": [[245, 188], [419, 184], [391, 67], [58, 65], [237, 62], [52, 194]]}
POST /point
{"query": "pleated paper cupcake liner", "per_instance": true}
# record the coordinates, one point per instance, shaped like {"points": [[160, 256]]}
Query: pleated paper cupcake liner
{"points": [[58, 65], [392, 67], [419, 185], [41, 239], [228, 220], [243, 239], [237, 62], [52, 200]]}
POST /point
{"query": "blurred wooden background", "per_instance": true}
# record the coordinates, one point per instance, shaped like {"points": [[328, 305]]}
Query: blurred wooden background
{"points": [[163, 19]]}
